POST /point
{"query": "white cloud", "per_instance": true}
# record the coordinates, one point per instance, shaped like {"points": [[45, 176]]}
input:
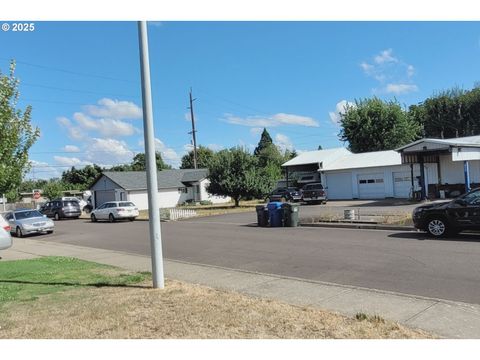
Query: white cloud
{"points": [[271, 121], [410, 71], [108, 151], [63, 121], [215, 147], [71, 148], [106, 127], [169, 155], [256, 131], [385, 56], [114, 109], [283, 142], [43, 170], [400, 88], [70, 161], [339, 109], [386, 68]]}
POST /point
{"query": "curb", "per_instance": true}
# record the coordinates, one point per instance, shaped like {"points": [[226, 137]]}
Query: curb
{"points": [[360, 226]]}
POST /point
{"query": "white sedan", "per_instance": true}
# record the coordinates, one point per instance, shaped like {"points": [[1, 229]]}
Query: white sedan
{"points": [[115, 210], [5, 237]]}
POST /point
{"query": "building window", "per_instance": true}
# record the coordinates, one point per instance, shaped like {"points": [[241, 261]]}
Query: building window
{"points": [[182, 190]]}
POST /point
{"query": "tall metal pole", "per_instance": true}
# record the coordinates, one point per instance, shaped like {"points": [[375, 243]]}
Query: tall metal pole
{"points": [[152, 184], [193, 131]]}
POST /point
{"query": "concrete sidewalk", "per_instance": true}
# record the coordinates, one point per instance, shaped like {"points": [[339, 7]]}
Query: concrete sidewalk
{"points": [[445, 318]]}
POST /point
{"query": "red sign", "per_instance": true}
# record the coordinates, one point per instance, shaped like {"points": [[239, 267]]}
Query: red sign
{"points": [[36, 195]]}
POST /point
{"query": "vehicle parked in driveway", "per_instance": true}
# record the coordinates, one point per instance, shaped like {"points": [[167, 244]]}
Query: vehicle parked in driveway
{"points": [[27, 221], [451, 217], [285, 194], [115, 210], [314, 193], [5, 237], [61, 209]]}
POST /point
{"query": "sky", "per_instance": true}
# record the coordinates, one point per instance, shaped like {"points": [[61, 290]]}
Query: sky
{"points": [[293, 78]]}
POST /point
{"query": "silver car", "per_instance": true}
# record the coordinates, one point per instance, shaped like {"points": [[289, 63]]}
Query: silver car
{"points": [[5, 238], [27, 221]]}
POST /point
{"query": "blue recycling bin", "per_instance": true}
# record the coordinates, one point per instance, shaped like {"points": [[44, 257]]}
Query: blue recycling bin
{"points": [[275, 211]]}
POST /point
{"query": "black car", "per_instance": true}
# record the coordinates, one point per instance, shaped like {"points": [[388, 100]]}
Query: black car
{"points": [[449, 218], [285, 194], [314, 193], [60, 209]]}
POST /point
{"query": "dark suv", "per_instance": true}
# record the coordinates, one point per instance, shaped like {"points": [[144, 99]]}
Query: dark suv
{"points": [[60, 209], [314, 193], [449, 218], [285, 194]]}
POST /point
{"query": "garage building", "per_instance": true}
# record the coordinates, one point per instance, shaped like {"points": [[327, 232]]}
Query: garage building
{"points": [[431, 168]]}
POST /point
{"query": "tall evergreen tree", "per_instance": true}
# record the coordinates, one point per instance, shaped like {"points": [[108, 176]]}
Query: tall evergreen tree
{"points": [[265, 141]]}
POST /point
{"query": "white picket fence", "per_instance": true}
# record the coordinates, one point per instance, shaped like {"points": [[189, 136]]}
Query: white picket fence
{"points": [[175, 214]]}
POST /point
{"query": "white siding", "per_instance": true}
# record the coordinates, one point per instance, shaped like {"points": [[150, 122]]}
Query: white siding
{"points": [[205, 195], [166, 198], [452, 171]]}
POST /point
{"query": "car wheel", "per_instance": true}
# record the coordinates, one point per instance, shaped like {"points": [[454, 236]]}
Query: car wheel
{"points": [[86, 209], [93, 218], [50, 232], [18, 232], [56, 216], [437, 227], [111, 218], [131, 219]]}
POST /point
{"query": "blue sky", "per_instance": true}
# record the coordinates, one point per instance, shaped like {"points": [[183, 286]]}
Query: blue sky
{"points": [[83, 81]]}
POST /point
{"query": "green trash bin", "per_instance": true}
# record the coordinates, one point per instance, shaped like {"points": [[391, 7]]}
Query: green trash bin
{"points": [[262, 215], [290, 212]]}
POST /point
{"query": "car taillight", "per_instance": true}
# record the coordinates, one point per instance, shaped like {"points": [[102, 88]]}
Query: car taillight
{"points": [[120, 209], [321, 192], [7, 228]]}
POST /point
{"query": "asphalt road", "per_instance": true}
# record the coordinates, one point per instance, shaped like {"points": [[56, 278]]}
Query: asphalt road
{"points": [[406, 262]]}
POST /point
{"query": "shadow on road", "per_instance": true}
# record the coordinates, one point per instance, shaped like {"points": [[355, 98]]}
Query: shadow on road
{"points": [[464, 237]]}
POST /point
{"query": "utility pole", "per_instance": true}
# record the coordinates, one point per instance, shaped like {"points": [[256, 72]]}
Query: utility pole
{"points": [[151, 165], [193, 132]]}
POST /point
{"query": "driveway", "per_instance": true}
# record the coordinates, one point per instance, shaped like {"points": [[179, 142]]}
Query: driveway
{"points": [[406, 262]]}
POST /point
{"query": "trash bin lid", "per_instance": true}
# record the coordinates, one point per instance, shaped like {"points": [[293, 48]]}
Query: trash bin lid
{"points": [[274, 205]]}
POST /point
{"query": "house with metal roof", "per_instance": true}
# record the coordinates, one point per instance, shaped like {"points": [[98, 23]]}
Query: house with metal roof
{"points": [[427, 168], [175, 187]]}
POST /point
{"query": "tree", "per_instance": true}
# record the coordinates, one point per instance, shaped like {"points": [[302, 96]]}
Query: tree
{"points": [[204, 156], [53, 189], [319, 147], [375, 125], [81, 179], [17, 135], [235, 173], [139, 162], [265, 141]]}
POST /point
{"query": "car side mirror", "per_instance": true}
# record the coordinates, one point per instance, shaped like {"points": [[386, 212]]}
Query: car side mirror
{"points": [[44, 216]]}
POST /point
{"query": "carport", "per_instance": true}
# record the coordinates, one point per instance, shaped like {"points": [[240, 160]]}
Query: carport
{"points": [[457, 162]]}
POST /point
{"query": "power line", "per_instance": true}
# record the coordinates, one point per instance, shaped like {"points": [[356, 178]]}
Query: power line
{"points": [[77, 91], [50, 68]]}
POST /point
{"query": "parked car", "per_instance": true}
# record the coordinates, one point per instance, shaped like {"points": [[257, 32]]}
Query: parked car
{"points": [[115, 210], [5, 238], [285, 194], [451, 217], [314, 193], [61, 209], [27, 221], [81, 202]]}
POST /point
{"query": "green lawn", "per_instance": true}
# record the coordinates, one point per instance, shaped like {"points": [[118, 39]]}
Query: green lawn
{"points": [[26, 280]]}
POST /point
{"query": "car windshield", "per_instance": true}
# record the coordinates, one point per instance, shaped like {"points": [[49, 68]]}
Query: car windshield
{"points": [[472, 198], [27, 214], [126, 204]]}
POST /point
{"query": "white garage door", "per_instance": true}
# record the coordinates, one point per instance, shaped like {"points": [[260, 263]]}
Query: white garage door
{"points": [[371, 186], [339, 186], [402, 184]]}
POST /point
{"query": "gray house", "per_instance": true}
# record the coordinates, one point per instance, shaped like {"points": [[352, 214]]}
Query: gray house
{"points": [[175, 187]]}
